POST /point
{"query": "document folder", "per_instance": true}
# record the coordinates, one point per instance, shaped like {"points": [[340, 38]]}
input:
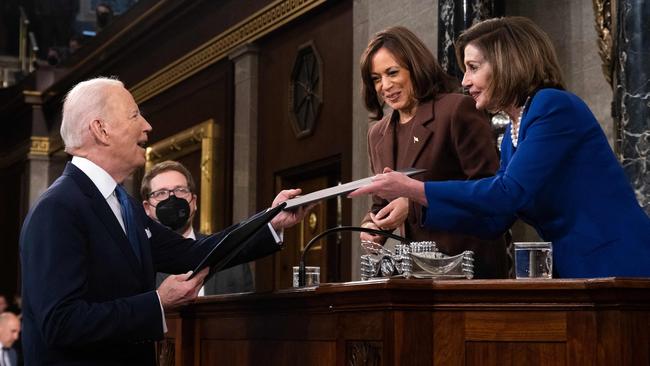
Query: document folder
{"points": [[340, 189], [235, 241]]}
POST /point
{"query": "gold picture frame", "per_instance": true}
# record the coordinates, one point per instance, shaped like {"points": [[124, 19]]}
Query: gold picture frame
{"points": [[201, 137]]}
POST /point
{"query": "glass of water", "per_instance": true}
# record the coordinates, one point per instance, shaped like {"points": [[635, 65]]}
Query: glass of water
{"points": [[312, 276], [533, 260]]}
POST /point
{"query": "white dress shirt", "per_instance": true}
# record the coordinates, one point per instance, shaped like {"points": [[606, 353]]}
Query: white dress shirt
{"points": [[4, 357]]}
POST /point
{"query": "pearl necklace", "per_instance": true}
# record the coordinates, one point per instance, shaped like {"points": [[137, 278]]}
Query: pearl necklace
{"points": [[514, 132]]}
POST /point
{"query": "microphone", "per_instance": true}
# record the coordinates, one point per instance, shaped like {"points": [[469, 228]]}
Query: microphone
{"points": [[302, 276]]}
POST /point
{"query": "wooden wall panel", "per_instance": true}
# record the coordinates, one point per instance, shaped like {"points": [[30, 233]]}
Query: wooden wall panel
{"points": [[225, 353], [206, 95], [581, 338], [448, 338], [313, 353], [520, 326], [267, 352], [413, 340], [329, 28], [515, 353]]}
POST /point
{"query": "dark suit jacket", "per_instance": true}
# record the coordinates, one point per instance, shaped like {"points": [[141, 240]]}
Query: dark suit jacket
{"points": [[564, 180], [454, 141], [231, 280], [86, 298], [12, 357]]}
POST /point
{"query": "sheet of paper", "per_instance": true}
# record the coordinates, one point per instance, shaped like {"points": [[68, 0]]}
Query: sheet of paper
{"points": [[339, 190]]}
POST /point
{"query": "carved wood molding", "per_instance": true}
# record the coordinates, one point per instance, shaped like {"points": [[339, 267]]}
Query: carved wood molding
{"points": [[363, 353], [605, 16], [305, 90], [257, 25]]}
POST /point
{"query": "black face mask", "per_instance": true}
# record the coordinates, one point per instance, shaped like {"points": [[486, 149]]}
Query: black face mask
{"points": [[173, 212]]}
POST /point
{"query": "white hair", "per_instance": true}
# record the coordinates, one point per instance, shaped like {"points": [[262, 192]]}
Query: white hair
{"points": [[6, 316], [84, 103]]}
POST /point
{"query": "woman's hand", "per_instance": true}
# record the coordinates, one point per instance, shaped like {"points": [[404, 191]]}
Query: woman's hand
{"points": [[392, 215], [368, 236], [391, 185]]}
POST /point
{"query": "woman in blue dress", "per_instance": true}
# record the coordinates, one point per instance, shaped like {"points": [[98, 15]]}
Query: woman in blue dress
{"points": [[558, 172]]}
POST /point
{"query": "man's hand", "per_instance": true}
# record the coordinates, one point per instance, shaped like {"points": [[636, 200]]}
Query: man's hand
{"points": [[286, 219], [392, 215], [177, 290], [391, 185]]}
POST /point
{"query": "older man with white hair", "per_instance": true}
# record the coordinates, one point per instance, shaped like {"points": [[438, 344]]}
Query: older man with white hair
{"points": [[89, 252], [9, 333]]}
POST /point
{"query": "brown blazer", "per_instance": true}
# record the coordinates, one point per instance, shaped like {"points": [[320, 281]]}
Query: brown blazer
{"points": [[454, 142]]}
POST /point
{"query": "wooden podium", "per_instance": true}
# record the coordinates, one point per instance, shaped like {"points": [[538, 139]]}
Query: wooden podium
{"points": [[422, 322]]}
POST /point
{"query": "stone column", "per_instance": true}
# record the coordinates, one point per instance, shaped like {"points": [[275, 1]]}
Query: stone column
{"points": [[46, 159], [454, 17], [45, 163], [245, 60], [631, 108], [360, 162]]}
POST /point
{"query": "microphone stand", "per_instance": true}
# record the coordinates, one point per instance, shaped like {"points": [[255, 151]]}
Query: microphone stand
{"points": [[302, 276]]}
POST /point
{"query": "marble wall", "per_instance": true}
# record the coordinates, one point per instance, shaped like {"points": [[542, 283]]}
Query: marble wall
{"points": [[632, 95]]}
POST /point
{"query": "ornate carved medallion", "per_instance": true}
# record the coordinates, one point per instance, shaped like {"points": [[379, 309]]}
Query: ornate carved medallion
{"points": [[305, 90]]}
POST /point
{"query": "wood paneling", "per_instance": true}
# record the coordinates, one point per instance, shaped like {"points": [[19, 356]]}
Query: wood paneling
{"points": [[519, 326], [207, 95], [280, 152], [515, 353], [581, 338], [400, 322]]}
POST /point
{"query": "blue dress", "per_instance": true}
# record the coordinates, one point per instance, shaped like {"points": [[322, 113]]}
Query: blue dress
{"points": [[564, 180]]}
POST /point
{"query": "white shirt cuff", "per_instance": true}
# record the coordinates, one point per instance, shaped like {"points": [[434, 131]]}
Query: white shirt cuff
{"points": [[162, 311], [279, 237]]}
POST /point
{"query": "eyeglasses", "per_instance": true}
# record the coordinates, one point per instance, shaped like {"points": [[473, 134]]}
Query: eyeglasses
{"points": [[163, 194]]}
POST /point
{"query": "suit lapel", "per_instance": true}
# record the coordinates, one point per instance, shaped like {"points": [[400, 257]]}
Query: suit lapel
{"points": [[421, 133], [105, 215], [145, 248]]}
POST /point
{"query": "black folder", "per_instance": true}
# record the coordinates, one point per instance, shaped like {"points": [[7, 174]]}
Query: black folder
{"points": [[235, 241]]}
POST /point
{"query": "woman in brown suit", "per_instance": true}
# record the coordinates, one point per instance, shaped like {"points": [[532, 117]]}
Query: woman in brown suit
{"points": [[429, 127]]}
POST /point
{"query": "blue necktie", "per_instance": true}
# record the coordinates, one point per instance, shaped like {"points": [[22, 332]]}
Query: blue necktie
{"points": [[129, 220]]}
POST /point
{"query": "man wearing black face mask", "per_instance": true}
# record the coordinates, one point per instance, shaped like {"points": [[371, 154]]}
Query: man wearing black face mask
{"points": [[168, 197]]}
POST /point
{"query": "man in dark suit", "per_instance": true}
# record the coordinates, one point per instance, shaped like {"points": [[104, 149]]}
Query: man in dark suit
{"points": [[168, 193], [9, 332], [89, 252]]}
